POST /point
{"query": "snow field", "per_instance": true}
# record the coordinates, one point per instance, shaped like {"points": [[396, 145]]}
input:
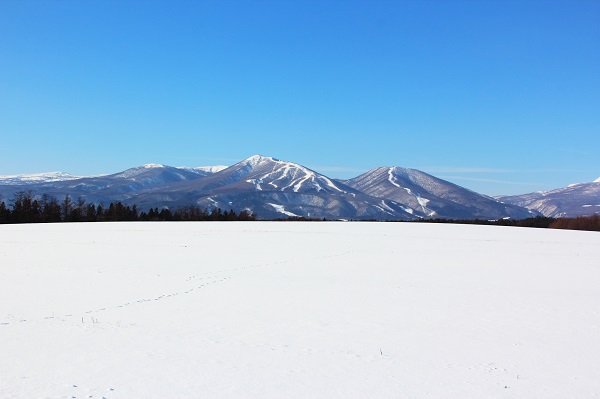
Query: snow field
{"points": [[297, 310]]}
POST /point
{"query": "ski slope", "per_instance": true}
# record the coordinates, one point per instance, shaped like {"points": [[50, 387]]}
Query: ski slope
{"points": [[297, 310]]}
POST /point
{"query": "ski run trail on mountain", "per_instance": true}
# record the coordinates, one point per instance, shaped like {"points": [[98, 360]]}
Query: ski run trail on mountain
{"points": [[298, 310]]}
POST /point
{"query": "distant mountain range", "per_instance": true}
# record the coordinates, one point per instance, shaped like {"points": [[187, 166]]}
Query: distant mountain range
{"points": [[274, 188], [582, 199]]}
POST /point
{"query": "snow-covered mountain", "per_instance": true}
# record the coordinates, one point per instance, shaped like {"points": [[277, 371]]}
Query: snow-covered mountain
{"points": [[36, 178], [204, 170], [144, 170], [156, 174], [427, 196], [273, 188], [122, 186], [582, 199]]}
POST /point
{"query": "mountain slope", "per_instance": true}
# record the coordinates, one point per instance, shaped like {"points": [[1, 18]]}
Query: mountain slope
{"points": [[273, 188], [427, 196], [581, 199], [107, 188], [36, 178], [204, 170]]}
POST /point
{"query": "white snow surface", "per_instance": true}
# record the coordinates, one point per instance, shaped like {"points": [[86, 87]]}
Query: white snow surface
{"points": [[37, 178], [256, 183], [391, 178], [281, 209], [209, 169], [297, 175], [297, 310]]}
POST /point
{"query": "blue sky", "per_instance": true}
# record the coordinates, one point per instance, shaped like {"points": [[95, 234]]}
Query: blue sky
{"points": [[501, 97]]}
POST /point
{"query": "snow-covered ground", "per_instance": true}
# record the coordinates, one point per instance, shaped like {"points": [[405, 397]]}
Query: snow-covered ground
{"points": [[298, 310]]}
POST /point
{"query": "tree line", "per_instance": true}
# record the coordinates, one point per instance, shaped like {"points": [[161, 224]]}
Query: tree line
{"points": [[27, 208], [590, 223]]}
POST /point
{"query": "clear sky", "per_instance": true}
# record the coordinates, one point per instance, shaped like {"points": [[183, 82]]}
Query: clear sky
{"points": [[502, 97]]}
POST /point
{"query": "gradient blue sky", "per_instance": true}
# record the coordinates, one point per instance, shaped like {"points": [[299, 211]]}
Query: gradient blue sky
{"points": [[502, 97]]}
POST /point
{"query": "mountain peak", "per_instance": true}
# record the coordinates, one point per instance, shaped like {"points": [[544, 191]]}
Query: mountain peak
{"points": [[153, 166], [270, 164], [37, 178], [597, 180], [256, 159]]}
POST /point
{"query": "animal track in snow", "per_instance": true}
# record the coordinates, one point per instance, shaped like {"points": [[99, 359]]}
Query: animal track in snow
{"points": [[139, 301], [84, 392]]}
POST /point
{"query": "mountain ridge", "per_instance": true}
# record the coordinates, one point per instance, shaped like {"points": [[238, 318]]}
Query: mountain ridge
{"points": [[430, 197], [275, 188], [579, 199], [271, 188]]}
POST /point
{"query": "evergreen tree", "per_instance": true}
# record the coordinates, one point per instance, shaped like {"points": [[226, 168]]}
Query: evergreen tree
{"points": [[77, 213], [165, 214], [4, 213], [25, 208], [65, 208], [100, 216], [51, 209], [90, 213]]}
